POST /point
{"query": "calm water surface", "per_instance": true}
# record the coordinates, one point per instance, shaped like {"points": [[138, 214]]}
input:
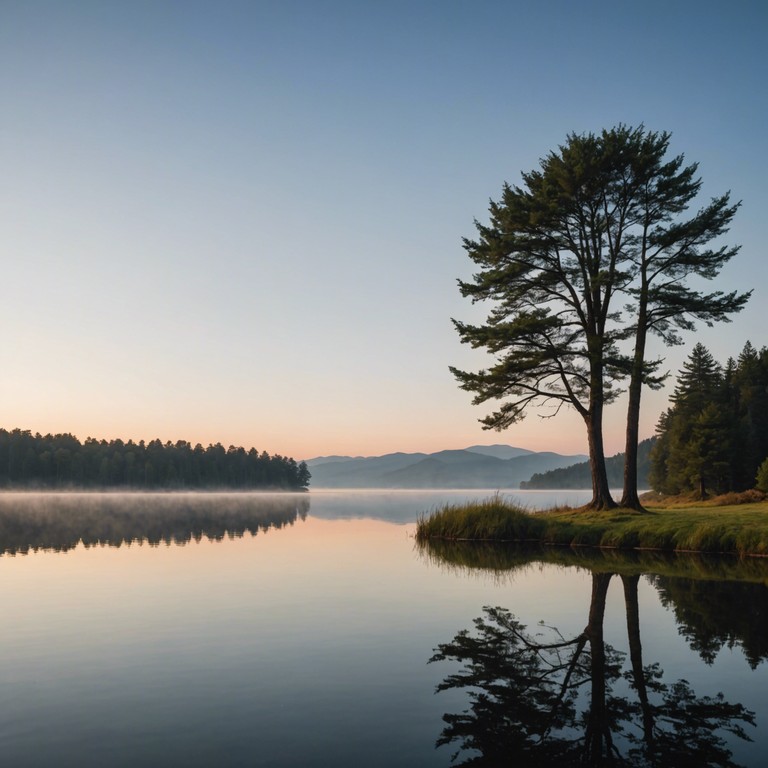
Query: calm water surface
{"points": [[296, 630]]}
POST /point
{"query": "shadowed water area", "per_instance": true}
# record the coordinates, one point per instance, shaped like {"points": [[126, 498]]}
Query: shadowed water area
{"points": [[310, 630]]}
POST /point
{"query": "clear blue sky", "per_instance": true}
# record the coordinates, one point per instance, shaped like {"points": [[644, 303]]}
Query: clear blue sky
{"points": [[242, 221]]}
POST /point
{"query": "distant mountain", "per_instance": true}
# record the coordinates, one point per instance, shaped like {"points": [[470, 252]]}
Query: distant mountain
{"points": [[579, 475], [499, 451], [330, 460], [468, 468], [359, 472]]}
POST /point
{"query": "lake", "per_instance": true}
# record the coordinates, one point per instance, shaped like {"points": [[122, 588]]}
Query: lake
{"points": [[297, 630]]}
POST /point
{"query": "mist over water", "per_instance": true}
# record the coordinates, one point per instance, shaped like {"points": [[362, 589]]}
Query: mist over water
{"points": [[60, 521], [406, 506], [31, 521]]}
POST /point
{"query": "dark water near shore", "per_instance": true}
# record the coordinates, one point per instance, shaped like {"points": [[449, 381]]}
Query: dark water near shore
{"points": [[296, 630]]}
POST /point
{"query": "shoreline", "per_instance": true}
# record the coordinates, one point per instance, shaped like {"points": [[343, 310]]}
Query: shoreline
{"points": [[683, 526]]}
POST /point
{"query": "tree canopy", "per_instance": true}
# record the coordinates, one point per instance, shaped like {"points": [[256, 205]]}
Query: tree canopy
{"points": [[598, 223]]}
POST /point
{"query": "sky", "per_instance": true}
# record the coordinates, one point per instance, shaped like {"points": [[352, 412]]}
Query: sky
{"points": [[242, 222]]}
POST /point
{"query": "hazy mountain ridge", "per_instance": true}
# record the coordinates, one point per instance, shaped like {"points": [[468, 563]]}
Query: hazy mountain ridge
{"points": [[580, 476], [496, 466], [499, 451], [362, 472]]}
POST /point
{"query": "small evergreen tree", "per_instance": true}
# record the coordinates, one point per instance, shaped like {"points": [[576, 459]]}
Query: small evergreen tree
{"points": [[659, 459], [707, 454], [762, 477]]}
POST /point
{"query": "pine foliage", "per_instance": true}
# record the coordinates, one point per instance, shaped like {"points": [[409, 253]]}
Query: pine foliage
{"points": [[714, 437], [595, 248]]}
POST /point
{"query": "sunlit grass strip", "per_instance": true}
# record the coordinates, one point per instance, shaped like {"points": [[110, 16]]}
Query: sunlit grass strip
{"points": [[739, 530]]}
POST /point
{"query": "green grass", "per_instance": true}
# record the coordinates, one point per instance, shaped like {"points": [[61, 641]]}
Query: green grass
{"points": [[740, 529], [492, 519]]}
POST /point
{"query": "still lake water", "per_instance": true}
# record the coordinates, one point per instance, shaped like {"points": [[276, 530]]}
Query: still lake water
{"points": [[296, 630]]}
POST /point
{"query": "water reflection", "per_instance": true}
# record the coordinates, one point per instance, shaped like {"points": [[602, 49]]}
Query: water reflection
{"points": [[59, 522], [543, 699], [713, 615]]}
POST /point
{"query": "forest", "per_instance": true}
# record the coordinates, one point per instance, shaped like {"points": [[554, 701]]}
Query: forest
{"points": [[580, 475], [713, 438], [61, 461]]}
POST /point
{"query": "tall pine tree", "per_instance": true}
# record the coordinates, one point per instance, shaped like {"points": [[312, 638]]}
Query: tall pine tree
{"points": [[665, 250]]}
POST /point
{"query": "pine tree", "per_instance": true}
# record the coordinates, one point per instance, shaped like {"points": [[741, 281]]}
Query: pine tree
{"points": [[751, 377], [762, 477], [698, 380], [706, 457], [714, 437], [600, 219], [551, 261], [658, 476]]}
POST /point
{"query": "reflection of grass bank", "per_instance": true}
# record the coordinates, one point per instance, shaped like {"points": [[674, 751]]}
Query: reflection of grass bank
{"points": [[506, 558], [740, 529]]}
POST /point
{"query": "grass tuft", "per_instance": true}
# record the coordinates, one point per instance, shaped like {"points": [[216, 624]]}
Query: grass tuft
{"points": [[488, 519]]}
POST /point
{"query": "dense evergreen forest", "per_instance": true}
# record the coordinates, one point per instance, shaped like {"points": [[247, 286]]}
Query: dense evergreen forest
{"points": [[714, 436], [62, 461], [580, 475]]}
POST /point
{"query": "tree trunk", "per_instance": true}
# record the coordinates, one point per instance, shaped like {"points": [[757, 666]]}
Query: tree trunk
{"points": [[601, 494], [629, 498], [597, 737], [636, 655]]}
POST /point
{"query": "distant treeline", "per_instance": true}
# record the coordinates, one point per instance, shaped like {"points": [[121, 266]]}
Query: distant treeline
{"points": [[580, 475], [62, 461], [714, 436]]}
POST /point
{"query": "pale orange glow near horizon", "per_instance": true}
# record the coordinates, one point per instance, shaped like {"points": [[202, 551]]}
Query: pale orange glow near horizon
{"points": [[564, 434]]}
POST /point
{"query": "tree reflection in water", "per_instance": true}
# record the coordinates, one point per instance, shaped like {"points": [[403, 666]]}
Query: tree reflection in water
{"points": [[540, 699], [711, 614], [59, 522]]}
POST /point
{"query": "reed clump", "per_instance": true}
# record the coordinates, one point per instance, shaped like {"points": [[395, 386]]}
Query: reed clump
{"points": [[492, 519]]}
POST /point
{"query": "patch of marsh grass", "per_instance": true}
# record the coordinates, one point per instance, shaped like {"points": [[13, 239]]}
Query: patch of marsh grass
{"points": [[740, 529], [488, 519]]}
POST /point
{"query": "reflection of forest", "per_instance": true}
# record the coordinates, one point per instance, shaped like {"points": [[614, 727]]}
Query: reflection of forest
{"points": [[714, 614], [61, 521], [538, 698], [718, 601]]}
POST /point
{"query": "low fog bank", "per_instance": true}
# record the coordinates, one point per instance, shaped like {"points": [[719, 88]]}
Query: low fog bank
{"points": [[31, 521]]}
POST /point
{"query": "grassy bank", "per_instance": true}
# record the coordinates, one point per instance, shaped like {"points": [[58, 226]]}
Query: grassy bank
{"points": [[707, 527]]}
